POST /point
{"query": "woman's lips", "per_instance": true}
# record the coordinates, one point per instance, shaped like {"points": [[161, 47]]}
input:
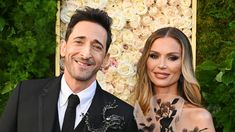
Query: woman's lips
{"points": [[161, 75]]}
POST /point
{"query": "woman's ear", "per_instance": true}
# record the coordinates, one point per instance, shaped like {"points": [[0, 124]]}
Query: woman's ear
{"points": [[62, 48]]}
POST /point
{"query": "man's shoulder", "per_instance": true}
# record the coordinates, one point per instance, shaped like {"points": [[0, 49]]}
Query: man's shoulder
{"points": [[38, 81]]}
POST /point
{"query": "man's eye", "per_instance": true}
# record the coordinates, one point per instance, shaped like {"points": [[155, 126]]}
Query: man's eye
{"points": [[153, 56], [173, 58], [78, 42], [97, 46]]}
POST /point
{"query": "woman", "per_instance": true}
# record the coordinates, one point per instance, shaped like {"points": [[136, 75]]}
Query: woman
{"points": [[167, 92]]}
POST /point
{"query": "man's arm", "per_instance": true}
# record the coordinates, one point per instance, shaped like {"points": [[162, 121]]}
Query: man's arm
{"points": [[8, 120]]}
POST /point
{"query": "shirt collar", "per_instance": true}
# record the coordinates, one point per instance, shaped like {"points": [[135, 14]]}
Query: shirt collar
{"points": [[84, 96]]}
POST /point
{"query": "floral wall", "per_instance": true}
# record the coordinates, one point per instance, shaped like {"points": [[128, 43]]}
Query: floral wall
{"points": [[133, 22]]}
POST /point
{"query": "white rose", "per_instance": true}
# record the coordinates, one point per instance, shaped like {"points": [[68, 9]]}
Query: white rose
{"points": [[174, 2], [187, 12], [170, 11], [131, 57], [66, 14], [140, 8], [73, 4], [129, 13], [100, 76], [127, 36], [125, 95], [126, 4], [153, 26], [185, 3], [96, 3], [176, 22], [161, 19], [110, 74], [161, 3], [187, 32], [116, 36], [119, 87], [131, 81], [114, 50], [153, 11], [125, 69], [137, 31], [187, 22], [109, 87], [149, 3], [146, 32], [138, 44], [146, 20], [135, 21], [118, 20]]}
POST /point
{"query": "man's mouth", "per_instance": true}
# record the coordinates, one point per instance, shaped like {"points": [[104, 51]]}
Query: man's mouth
{"points": [[83, 63]]}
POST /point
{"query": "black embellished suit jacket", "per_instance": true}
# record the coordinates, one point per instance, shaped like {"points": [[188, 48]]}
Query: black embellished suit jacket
{"points": [[33, 106]]}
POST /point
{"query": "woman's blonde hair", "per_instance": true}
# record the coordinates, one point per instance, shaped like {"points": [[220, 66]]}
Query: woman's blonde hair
{"points": [[188, 86]]}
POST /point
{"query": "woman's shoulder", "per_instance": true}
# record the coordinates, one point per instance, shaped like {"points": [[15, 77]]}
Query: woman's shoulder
{"points": [[198, 113], [198, 116]]}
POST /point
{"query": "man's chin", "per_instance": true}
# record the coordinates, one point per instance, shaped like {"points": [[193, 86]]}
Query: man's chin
{"points": [[84, 77]]}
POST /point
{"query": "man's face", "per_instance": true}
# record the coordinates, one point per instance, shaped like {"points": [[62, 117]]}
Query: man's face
{"points": [[84, 52]]}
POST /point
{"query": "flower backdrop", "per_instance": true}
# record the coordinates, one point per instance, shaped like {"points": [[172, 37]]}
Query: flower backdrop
{"points": [[133, 22]]}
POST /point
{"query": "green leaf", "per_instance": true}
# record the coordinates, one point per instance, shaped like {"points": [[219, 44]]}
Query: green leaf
{"points": [[8, 87], [2, 24], [232, 24], [228, 78], [208, 65], [219, 76]]}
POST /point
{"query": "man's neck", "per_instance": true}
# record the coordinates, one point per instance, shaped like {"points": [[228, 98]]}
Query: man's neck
{"points": [[77, 85]]}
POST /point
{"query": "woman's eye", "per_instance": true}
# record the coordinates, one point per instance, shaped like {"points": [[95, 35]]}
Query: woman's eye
{"points": [[173, 58], [153, 56]]}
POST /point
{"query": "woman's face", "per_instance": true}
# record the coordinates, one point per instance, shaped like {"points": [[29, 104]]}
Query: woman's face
{"points": [[164, 63]]}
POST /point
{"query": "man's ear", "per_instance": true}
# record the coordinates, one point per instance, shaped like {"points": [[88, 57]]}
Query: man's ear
{"points": [[106, 61], [62, 48]]}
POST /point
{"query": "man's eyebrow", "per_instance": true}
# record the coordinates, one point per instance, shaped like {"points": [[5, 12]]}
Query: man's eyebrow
{"points": [[80, 37], [94, 41]]}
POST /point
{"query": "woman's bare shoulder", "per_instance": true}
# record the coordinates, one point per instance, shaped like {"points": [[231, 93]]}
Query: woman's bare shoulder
{"points": [[199, 116]]}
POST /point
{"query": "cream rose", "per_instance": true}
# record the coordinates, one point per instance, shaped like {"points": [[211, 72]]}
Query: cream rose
{"points": [[66, 13], [119, 20], [185, 3], [127, 36], [114, 50], [96, 3], [146, 20], [125, 69], [140, 8], [153, 11], [161, 3]]}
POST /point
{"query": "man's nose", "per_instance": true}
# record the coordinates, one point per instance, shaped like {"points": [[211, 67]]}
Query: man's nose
{"points": [[86, 51]]}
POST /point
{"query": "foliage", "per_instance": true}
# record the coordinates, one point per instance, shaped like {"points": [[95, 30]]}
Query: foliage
{"points": [[215, 29], [215, 40], [27, 39], [218, 85], [27, 46]]}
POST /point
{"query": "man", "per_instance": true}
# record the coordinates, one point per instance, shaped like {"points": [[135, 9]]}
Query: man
{"points": [[41, 105]]}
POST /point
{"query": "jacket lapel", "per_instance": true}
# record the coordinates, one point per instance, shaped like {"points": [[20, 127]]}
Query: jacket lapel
{"points": [[48, 105], [94, 112]]}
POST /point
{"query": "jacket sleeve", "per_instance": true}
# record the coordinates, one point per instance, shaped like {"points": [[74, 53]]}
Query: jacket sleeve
{"points": [[131, 125], [8, 120]]}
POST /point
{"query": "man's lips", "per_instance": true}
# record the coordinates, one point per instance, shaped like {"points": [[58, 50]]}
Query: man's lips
{"points": [[83, 63]]}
